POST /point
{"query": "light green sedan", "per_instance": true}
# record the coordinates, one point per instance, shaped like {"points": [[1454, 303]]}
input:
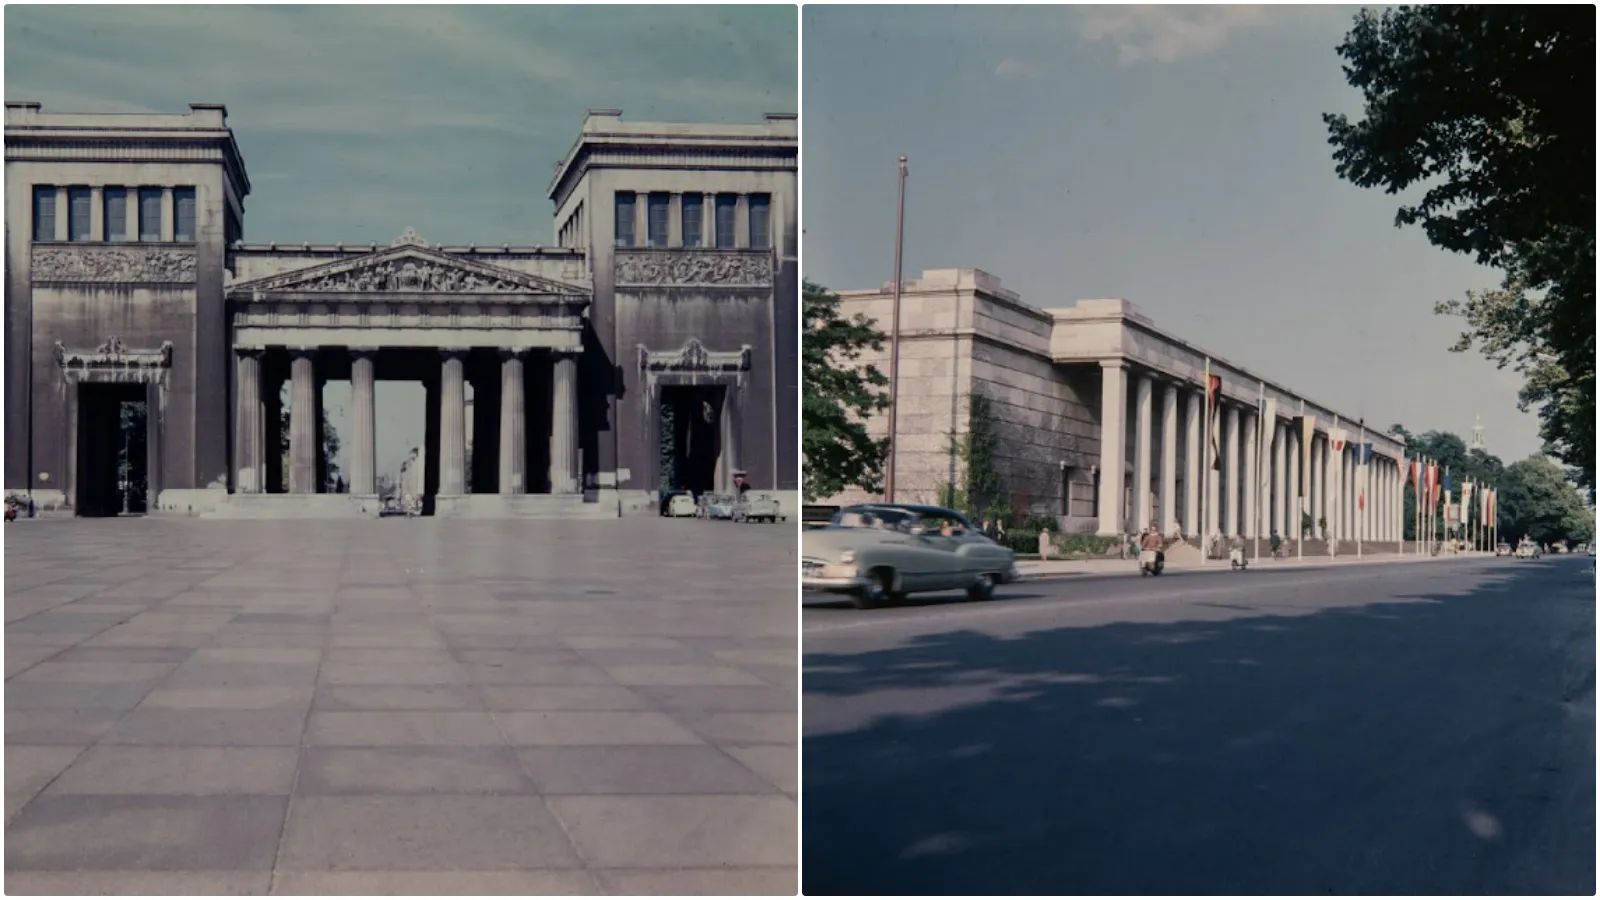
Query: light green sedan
{"points": [[880, 553]]}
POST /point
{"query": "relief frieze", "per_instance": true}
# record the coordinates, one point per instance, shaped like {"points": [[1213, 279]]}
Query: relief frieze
{"points": [[114, 264], [704, 268], [694, 357]]}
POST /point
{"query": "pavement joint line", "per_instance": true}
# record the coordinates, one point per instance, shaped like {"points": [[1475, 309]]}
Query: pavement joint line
{"points": [[989, 609]]}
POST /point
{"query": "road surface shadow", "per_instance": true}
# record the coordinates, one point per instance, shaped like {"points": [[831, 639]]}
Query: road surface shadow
{"points": [[1433, 744]]}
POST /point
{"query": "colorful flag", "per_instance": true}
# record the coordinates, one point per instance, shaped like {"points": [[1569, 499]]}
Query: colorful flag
{"points": [[1363, 454], [1416, 476], [1213, 395], [1336, 439]]}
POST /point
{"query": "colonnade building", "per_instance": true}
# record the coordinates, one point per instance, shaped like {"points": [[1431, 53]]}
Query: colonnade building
{"points": [[1098, 415], [652, 346]]}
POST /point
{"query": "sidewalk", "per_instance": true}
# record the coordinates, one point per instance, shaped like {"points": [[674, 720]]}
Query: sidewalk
{"points": [[1035, 570]]}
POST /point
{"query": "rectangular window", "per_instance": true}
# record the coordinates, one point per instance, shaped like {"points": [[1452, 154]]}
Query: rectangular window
{"points": [[625, 218], [116, 200], [149, 214], [691, 220], [660, 204], [726, 204], [183, 212], [44, 213], [79, 204], [761, 220]]}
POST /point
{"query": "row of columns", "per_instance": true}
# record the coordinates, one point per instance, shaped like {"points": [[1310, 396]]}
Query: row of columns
{"points": [[305, 438], [1344, 500]]}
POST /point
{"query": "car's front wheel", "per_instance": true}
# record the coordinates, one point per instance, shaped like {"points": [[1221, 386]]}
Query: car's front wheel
{"points": [[982, 589], [877, 591]]}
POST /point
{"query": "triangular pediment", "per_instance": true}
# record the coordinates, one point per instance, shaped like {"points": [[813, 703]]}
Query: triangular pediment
{"points": [[407, 270]]}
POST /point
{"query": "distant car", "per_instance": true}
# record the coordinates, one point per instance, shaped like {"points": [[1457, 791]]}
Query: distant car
{"points": [[720, 506], [1528, 550], [880, 553], [1502, 549], [679, 503], [757, 506], [1591, 549]]}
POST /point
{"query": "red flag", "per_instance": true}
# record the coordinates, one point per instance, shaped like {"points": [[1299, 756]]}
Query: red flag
{"points": [[1361, 500], [1213, 394]]}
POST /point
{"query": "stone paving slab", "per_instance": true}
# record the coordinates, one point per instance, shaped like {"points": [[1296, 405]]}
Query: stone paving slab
{"points": [[400, 706]]}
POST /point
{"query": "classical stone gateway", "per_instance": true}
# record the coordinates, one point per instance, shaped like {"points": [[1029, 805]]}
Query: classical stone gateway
{"points": [[652, 347], [1099, 414]]}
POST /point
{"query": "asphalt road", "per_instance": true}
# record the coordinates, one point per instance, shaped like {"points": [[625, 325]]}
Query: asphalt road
{"points": [[1423, 728]]}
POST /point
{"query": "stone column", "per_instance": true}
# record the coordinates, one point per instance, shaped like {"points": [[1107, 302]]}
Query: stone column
{"points": [[564, 425], [63, 213], [97, 214], [1169, 459], [452, 424], [708, 220], [169, 216], [1279, 446], [1113, 406], [1191, 465], [303, 414], [732, 458], [130, 219], [1291, 491], [1232, 497], [1213, 515], [1141, 453], [1319, 486], [513, 424], [1252, 476], [247, 423], [364, 423]]}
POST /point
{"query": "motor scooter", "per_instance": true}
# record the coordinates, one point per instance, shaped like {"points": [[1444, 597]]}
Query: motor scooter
{"points": [[1237, 560], [1151, 562]]}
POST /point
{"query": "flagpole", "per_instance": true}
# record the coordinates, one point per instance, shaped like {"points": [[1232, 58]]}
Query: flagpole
{"points": [[1261, 425], [1361, 486], [894, 341], [1301, 492], [1333, 494], [1205, 472]]}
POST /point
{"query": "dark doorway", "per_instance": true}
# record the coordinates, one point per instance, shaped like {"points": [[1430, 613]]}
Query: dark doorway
{"points": [[691, 437], [113, 450]]}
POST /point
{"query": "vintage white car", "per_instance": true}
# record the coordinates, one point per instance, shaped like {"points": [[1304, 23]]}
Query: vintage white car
{"points": [[720, 506], [757, 506], [1528, 550], [681, 503], [879, 553]]}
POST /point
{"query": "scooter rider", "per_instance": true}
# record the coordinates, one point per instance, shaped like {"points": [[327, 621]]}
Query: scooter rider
{"points": [[1152, 540]]}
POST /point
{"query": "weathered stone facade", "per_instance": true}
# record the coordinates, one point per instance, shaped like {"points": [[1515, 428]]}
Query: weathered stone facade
{"points": [[1057, 378], [127, 277]]}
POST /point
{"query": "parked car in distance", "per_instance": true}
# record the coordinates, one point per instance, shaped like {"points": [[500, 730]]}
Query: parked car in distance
{"points": [[679, 503], [880, 553], [720, 506], [757, 506], [1502, 549], [1528, 550]]}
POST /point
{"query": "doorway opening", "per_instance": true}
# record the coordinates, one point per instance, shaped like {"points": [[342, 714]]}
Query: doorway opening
{"points": [[690, 436], [113, 475]]}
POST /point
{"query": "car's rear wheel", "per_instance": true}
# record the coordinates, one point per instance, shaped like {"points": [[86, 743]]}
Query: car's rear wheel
{"points": [[983, 589], [877, 591]]}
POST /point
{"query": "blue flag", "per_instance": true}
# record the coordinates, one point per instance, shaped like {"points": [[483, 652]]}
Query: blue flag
{"points": [[1363, 454], [1448, 481]]}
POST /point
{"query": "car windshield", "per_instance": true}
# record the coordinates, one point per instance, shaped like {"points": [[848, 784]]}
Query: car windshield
{"points": [[879, 518]]}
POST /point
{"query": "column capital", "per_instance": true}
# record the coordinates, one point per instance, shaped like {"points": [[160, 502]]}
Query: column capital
{"points": [[1118, 362], [363, 351], [243, 352], [452, 353], [309, 352], [514, 352]]}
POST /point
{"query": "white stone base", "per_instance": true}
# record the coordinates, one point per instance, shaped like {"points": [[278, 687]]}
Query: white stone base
{"points": [[520, 506], [294, 506], [44, 500], [191, 502]]}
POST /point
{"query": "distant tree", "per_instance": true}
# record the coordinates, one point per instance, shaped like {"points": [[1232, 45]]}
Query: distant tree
{"points": [[1491, 110], [1451, 452], [1537, 501], [838, 395]]}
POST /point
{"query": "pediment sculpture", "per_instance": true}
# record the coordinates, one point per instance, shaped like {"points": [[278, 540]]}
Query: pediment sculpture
{"points": [[410, 268]]}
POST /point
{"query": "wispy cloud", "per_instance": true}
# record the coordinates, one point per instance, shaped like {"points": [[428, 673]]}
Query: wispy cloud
{"points": [[1168, 34], [1013, 68]]}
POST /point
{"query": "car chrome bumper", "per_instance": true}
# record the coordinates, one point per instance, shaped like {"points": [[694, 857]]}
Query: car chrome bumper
{"points": [[835, 578]]}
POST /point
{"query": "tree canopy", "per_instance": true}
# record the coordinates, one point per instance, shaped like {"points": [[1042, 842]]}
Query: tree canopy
{"points": [[839, 393], [1490, 110], [1537, 501]]}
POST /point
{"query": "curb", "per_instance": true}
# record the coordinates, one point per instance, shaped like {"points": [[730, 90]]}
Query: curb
{"points": [[1222, 566]]}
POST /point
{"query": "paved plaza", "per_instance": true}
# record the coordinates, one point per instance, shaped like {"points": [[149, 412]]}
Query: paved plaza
{"points": [[414, 706]]}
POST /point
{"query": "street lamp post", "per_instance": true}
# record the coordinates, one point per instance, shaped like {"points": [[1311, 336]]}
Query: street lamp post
{"points": [[894, 341]]}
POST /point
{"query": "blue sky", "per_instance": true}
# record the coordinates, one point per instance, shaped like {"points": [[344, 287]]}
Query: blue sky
{"points": [[1172, 156], [357, 121]]}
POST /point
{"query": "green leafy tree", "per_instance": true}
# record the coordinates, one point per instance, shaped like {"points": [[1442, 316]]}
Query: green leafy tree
{"points": [[839, 394], [1490, 109], [1537, 501], [980, 493], [1448, 450]]}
